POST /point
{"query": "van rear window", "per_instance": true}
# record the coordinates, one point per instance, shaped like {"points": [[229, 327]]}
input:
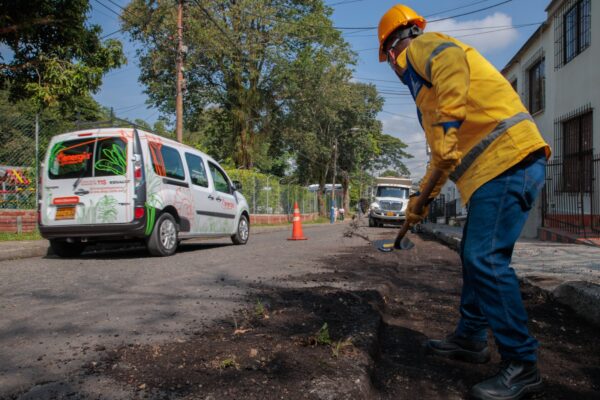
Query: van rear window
{"points": [[82, 158]]}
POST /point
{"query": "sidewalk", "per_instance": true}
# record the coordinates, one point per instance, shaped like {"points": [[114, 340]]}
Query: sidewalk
{"points": [[570, 272]]}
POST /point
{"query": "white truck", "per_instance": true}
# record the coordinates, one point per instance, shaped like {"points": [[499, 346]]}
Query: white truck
{"points": [[391, 199]]}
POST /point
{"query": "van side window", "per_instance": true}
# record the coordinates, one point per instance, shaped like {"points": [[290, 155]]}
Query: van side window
{"points": [[196, 169], [219, 179], [167, 161], [111, 157]]}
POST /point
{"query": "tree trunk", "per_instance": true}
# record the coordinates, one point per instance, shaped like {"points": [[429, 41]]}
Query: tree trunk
{"points": [[321, 199], [346, 191]]}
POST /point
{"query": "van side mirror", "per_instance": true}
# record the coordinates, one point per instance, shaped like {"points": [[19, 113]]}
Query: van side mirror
{"points": [[237, 185]]}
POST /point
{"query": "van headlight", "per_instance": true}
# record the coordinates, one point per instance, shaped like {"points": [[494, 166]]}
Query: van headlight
{"points": [[375, 206]]}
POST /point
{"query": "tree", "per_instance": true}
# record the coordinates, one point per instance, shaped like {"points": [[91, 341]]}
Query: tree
{"points": [[56, 57], [390, 173], [240, 58]]}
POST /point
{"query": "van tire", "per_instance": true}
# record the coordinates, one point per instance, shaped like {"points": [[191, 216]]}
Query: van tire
{"points": [[372, 223], [242, 232], [164, 238], [64, 249]]}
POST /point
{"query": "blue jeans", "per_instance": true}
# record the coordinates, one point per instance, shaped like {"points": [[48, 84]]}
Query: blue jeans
{"points": [[490, 295]]}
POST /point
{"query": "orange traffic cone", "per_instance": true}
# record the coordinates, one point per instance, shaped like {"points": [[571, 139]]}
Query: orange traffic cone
{"points": [[297, 225]]}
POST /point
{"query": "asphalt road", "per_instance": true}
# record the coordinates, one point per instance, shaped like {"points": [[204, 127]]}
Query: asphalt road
{"points": [[56, 314]]}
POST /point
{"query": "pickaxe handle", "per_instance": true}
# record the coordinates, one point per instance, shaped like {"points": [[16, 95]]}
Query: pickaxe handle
{"points": [[436, 174]]}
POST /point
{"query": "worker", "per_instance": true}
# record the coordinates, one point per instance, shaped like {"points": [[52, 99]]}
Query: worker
{"points": [[483, 138]]}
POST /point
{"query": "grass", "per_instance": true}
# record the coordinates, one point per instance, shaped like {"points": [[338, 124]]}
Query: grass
{"points": [[6, 236]]}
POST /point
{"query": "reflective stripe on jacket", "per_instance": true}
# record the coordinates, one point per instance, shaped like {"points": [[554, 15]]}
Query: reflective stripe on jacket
{"points": [[475, 123]]}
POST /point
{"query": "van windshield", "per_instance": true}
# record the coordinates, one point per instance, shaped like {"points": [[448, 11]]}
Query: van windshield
{"points": [[83, 158], [392, 191]]}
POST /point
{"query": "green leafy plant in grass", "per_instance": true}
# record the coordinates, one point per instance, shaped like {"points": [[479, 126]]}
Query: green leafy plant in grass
{"points": [[323, 337], [259, 309], [228, 363], [338, 346]]}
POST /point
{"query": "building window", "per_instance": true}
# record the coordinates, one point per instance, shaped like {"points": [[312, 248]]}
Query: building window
{"points": [[536, 86], [572, 30], [577, 152]]}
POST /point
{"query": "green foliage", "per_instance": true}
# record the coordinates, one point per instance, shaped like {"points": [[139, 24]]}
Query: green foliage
{"points": [[56, 56], [243, 65], [322, 337], [390, 173], [259, 309]]}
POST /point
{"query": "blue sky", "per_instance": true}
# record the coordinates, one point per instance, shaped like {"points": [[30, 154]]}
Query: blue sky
{"points": [[497, 32]]}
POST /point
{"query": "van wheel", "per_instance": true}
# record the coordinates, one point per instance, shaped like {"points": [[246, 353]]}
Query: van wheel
{"points": [[371, 222], [62, 248], [243, 231], [163, 240]]}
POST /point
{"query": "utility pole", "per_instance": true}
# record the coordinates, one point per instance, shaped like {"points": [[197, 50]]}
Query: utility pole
{"points": [[332, 217], [179, 97]]}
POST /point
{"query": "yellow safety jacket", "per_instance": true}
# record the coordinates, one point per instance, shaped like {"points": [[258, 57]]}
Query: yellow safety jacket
{"points": [[475, 123]]}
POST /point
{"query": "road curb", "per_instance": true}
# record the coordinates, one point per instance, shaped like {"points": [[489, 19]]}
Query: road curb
{"points": [[23, 249], [583, 297]]}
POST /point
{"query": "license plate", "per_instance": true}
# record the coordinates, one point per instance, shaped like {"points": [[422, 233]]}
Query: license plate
{"points": [[65, 213], [390, 214]]}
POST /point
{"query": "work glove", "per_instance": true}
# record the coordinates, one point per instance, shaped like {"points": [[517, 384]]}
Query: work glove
{"points": [[415, 216]]}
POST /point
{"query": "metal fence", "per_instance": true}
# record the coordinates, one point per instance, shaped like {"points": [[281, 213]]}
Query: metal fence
{"points": [[572, 207], [18, 164], [268, 194], [25, 139], [442, 211], [437, 209]]}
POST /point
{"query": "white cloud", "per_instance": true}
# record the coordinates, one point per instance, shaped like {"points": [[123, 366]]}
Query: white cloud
{"points": [[410, 132], [494, 32]]}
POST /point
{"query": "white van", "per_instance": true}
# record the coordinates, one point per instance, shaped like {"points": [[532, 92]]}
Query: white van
{"points": [[120, 184]]}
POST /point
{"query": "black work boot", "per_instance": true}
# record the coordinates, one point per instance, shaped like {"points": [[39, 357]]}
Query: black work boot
{"points": [[515, 380], [460, 348]]}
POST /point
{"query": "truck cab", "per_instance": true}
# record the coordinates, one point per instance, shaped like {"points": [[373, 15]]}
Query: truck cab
{"points": [[391, 199]]}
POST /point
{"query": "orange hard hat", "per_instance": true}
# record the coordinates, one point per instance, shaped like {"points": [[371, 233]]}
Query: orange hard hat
{"points": [[396, 17]]}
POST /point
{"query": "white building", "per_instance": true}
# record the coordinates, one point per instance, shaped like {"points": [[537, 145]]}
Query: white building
{"points": [[557, 74]]}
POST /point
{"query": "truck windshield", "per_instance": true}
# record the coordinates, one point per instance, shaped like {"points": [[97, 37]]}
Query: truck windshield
{"points": [[391, 191], [83, 158]]}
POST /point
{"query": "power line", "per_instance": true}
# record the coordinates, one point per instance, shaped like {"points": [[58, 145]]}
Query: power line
{"points": [[108, 8], [472, 34], [339, 3], [471, 12], [398, 115], [458, 8]]}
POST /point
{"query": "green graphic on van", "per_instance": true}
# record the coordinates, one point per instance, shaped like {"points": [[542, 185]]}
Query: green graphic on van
{"points": [[113, 160], [57, 148], [154, 201], [151, 215], [106, 210]]}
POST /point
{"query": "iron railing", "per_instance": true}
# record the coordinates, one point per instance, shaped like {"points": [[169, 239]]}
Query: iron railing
{"points": [[568, 208]]}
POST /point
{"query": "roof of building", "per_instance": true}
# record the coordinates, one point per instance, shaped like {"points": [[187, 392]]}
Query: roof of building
{"points": [[531, 39]]}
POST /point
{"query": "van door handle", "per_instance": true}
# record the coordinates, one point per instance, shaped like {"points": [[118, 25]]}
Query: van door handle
{"points": [[81, 192], [211, 197]]}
